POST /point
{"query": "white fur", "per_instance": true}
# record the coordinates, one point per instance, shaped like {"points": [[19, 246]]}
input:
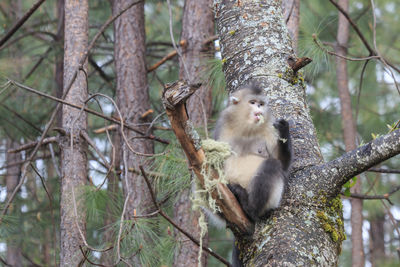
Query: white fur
{"points": [[276, 196], [240, 169]]}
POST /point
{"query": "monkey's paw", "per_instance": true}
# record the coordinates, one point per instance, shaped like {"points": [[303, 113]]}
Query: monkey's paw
{"points": [[282, 126]]}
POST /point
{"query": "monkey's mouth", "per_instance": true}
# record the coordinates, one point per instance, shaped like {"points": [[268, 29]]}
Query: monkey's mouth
{"points": [[259, 118]]}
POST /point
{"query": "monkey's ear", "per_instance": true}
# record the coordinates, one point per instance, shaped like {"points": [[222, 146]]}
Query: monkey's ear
{"points": [[234, 100]]}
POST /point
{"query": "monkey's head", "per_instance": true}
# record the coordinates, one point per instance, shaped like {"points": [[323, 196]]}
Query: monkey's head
{"points": [[250, 106]]}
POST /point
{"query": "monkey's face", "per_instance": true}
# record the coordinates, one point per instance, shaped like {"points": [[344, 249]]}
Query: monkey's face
{"points": [[257, 111], [248, 108]]}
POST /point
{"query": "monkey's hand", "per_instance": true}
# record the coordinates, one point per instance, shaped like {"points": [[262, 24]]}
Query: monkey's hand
{"points": [[283, 129]]}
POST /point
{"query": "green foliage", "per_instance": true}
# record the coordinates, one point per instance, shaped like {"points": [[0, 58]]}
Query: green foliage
{"points": [[349, 184]]}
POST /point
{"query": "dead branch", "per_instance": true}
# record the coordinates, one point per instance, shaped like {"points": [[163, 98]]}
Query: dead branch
{"points": [[21, 22], [112, 119], [384, 196], [174, 98], [111, 127], [382, 170], [299, 63], [53, 139]]}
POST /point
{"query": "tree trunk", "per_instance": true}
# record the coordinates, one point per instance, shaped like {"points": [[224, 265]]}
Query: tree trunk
{"points": [[291, 11], [59, 60], [73, 156], [349, 133], [307, 229], [255, 47], [197, 25], [377, 239], [14, 256], [133, 100]]}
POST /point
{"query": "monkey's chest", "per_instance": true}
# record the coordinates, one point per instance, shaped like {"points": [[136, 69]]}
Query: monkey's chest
{"points": [[240, 169], [246, 146]]}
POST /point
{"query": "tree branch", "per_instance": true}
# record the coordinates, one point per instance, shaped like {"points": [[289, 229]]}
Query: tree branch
{"points": [[45, 141], [93, 112], [174, 98], [384, 196], [21, 22], [352, 163]]}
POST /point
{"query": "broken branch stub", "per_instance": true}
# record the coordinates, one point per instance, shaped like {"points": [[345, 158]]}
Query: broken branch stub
{"points": [[174, 98]]}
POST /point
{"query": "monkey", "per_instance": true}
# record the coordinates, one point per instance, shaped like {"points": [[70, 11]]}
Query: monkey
{"points": [[262, 151]]}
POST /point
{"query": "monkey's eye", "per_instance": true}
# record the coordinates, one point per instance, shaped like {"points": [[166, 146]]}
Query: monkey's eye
{"points": [[261, 104], [252, 102]]}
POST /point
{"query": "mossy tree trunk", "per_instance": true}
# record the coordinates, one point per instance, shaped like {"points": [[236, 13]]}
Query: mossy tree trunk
{"points": [[307, 230]]}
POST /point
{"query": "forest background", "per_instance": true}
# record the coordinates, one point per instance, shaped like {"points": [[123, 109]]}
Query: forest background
{"points": [[111, 217]]}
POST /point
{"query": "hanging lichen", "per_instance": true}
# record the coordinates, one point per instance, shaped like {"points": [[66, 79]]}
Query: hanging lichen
{"points": [[215, 155]]}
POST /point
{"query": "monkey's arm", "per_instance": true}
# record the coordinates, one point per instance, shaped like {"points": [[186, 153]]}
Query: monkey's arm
{"points": [[284, 143]]}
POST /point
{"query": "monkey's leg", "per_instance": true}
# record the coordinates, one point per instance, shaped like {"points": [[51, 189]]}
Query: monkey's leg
{"points": [[284, 143], [243, 197], [266, 188]]}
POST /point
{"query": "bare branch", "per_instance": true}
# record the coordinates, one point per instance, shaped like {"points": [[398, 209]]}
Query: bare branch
{"points": [[151, 137], [382, 170], [45, 141], [21, 22], [384, 196]]}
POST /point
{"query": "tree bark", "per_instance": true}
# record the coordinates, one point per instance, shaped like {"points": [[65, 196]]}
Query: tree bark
{"points": [[377, 239], [14, 255], [73, 152], [133, 100], [59, 60], [349, 133], [307, 230], [197, 25]]}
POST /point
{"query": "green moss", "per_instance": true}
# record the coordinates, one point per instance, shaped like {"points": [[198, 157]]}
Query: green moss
{"points": [[331, 218], [232, 32]]}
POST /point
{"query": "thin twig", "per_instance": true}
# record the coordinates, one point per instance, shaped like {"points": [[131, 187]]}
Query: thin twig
{"points": [[53, 139], [21, 22], [122, 127], [376, 47], [173, 41], [53, 220], [114, 120], [37, 64], [382, 170], [218, 257], [359, 33], [88, 260], [314, 36]]}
